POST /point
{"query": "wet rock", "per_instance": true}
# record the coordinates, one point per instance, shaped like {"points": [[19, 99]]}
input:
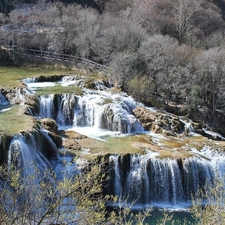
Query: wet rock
{"points": [[4, 146], [32, 102], [56, 138], [196, 126], [50, 125], [146, 117]]}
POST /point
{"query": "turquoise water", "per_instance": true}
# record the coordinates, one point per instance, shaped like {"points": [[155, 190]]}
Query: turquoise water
{"points": [[157, 216], [178, 217]]}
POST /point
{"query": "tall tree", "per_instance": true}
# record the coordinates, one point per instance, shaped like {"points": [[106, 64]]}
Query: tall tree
{"points": [[211, 70], [183, 12]]}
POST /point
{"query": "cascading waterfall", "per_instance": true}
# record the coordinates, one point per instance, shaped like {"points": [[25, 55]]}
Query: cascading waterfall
{"points": [[25, 156], [150, 180], [36, 187], [143, 178], [20, 95], [86, 111], [67, 104], [105, 111], [46, 106]]}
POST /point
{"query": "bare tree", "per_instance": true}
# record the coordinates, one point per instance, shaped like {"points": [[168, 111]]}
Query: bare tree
{"points": [[211, 69], [183, 12]]}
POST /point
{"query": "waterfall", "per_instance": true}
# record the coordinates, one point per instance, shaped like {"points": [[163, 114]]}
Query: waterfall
{"points": [[29, 80], [100, 111], [150, 180], [189, 128], [66, 109], [87, 111], [25, 156], [31, 183], [46, 106], [99, 84]]}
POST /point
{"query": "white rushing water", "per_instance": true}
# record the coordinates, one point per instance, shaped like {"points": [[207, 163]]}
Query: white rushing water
{"points": [[96, 112], [26, 156], [46, 106], [164, 182], [4, 104], [33, 85]]}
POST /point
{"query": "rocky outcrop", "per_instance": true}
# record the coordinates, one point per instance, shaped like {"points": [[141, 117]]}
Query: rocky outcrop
{"points": [[17, 95], [166, 124], [33, 105], [52, 127], [171, 125], [52, 78], [71, 139]]}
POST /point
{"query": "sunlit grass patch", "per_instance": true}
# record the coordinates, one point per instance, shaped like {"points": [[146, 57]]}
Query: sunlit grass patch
{"points": [[14, 120], [58, 89], [110, 145], [12, 76]]}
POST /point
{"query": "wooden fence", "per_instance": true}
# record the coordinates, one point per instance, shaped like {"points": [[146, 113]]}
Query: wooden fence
{"points": [[63, 57]]}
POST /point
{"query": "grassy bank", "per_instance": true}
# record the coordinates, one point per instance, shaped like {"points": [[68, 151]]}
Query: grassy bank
{"points": [[11, 76], [14, 120], [12, 117]]}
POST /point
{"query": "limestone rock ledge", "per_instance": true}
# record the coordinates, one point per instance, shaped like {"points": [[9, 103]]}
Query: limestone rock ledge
{"points": [[159, 122]]}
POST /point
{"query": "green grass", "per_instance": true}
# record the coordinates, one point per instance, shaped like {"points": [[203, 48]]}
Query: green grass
{"points": [[107, 101], [112, 145], [58, 89], [12, 76], [14, 120]]}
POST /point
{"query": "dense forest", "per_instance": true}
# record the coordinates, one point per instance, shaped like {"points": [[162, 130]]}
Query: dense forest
{"points": [[166, 53]]}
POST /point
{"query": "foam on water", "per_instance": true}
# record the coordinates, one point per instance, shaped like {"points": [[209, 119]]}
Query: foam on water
{"points": [[96, 133], [214, 134], [5, 110], [35, 85]]}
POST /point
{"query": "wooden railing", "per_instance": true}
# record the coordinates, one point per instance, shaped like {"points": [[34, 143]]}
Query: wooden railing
{"points": [[63, 57]]}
